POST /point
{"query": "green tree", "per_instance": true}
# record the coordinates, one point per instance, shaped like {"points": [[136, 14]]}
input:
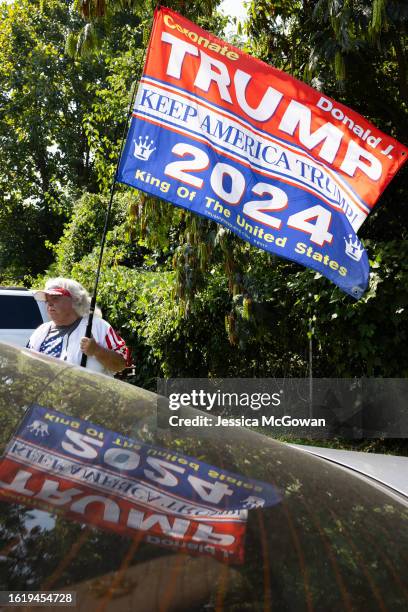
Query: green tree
{"points": [[260, 308], [45, 157]]}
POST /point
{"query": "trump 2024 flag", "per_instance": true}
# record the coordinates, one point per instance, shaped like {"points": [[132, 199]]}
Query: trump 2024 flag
{"points": [[228, 137]]}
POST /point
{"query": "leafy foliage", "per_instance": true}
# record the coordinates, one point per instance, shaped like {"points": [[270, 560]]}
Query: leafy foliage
{"points": [[45, 156], [169, 277]]}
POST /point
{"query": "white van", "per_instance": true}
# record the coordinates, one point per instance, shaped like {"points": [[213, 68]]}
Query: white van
{"points": [[20, 315]]}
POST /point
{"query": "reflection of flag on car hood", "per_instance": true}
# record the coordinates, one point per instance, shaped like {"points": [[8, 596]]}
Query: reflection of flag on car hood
{"points": [[98, 476], [224, 135]]}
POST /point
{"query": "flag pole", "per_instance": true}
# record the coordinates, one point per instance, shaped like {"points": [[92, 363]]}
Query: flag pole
{"points": [[311, 332], [88, 331]]}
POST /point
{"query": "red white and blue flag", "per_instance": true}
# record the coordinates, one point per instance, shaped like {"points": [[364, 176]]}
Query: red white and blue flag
{"points": [[283, 166], [59, 463]]}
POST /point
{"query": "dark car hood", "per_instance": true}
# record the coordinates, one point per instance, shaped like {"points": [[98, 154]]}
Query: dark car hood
{"points": [[331, 540]]}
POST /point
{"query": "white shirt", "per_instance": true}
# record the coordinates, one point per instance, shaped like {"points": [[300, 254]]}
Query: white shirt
{"points": [[102, 332]]}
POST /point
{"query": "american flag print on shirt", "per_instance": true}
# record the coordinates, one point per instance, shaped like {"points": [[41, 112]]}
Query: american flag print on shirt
{"points": [[52, 344], [115, 343]]}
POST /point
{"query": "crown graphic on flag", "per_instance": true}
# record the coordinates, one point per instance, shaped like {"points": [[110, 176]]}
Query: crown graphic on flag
{"points": [[143, 148], [354, 248]]}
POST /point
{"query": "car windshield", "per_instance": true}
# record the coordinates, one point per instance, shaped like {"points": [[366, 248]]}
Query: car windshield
{"points": [[98, 498]]}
